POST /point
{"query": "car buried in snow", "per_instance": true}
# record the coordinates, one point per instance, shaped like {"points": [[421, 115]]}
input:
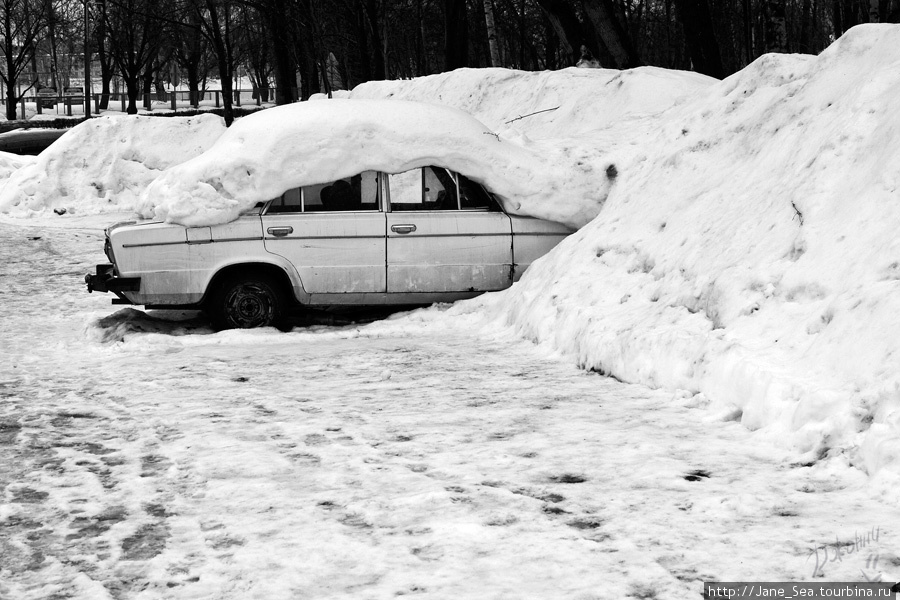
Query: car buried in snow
{"points": [[413, 238]]}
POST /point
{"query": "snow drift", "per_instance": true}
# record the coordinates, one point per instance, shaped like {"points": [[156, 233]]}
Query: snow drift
{"points": [[598, 106], [748, 253], [263, 155], [104, 164], [10, 163]]}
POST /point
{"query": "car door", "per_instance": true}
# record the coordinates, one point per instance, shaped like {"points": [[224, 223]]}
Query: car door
{"points": [[439, 239], [333, 233]]}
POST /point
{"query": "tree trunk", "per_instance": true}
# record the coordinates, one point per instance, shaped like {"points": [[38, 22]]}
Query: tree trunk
{"points": [[421, 58], [147, 87], [568, 28], [748, 32], [220, 30], [132, 88], [491, 33], [700, 36], [551, 46], [106, 75], [51, 39], [11, 99], [379, 56], [193, 76], [776, 27], [806, 27], [456, 35], [285, 61], [845, 16], [611, 31]]}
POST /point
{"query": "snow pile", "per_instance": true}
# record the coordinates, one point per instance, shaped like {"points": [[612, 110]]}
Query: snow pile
{"points": [[104, 164], [600, 106], [749, 253], [263, 155], [561, 170], [10, 163]]}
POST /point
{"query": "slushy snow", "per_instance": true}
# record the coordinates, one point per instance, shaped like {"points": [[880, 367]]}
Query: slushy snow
{"points": [[744, 250]]}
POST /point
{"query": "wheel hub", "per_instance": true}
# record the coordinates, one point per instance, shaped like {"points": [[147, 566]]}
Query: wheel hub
{"points": [[249, 306]]}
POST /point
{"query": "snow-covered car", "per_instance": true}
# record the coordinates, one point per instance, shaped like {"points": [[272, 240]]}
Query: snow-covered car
{"points": [[424, 235]]}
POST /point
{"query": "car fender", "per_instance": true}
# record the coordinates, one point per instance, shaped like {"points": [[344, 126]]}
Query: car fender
{"points": [[286, 267]]}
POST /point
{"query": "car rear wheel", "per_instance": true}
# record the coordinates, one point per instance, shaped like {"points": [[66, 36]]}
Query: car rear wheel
{"points": [[247, 302]]}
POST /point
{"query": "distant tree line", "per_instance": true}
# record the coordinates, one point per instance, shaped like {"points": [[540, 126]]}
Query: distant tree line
{"points": [[304, 47]]}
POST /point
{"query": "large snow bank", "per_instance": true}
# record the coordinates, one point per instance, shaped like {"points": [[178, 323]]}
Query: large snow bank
{"points": [[749, 253], [104, 164], [263, 155], [561, 170], [600, 106]]}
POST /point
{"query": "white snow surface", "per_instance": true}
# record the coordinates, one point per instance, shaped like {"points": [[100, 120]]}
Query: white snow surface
{"points": [[433, 454], [746, 250], [598, 107], [104, 164], [10, 163], [263, 155]]}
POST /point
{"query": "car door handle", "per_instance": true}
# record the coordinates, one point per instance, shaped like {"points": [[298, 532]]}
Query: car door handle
{"points": [[280, 231], [403, 228]]}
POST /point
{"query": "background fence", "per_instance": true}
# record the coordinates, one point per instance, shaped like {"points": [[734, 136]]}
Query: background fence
{"points": [[74, 104]]}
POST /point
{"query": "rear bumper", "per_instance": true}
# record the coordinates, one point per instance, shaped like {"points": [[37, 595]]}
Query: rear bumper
{"points": [[105, 280]]}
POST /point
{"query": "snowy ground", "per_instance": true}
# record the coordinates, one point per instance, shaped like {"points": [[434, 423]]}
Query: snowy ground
{"points": [[432, 454], [741, 258]]}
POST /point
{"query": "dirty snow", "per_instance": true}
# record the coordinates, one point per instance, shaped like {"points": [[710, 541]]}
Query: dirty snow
{"points": [[433, 454], [744, 264]]}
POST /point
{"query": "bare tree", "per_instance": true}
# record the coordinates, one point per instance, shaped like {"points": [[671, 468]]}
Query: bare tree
{"points": [[491, 33], [21, 22], [134, 29], [456, 35]]}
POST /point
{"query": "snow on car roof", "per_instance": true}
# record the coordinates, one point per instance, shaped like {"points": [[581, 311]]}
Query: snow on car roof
{"points": [[262, 155]]}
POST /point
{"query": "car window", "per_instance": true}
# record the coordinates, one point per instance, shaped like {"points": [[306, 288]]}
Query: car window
{"points": [[429, 188], [473, 196], [287, 202], [356, 193]]}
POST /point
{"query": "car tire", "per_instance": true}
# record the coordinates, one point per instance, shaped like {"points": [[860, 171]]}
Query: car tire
{"points": [[247, 302]]}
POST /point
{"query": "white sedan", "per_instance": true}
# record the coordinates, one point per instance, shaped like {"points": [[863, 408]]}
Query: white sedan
{"points": [[417, 237]]}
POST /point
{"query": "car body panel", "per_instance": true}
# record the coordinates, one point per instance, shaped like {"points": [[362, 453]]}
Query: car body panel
{"points": [[448, 251], [342, 252], [175, 271], [533, 238]]}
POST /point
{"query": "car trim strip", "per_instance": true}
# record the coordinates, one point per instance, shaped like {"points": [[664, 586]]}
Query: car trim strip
{"points": [[442, 235], [325, 237], [540, 233], [244, 239], [340, 237]]}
